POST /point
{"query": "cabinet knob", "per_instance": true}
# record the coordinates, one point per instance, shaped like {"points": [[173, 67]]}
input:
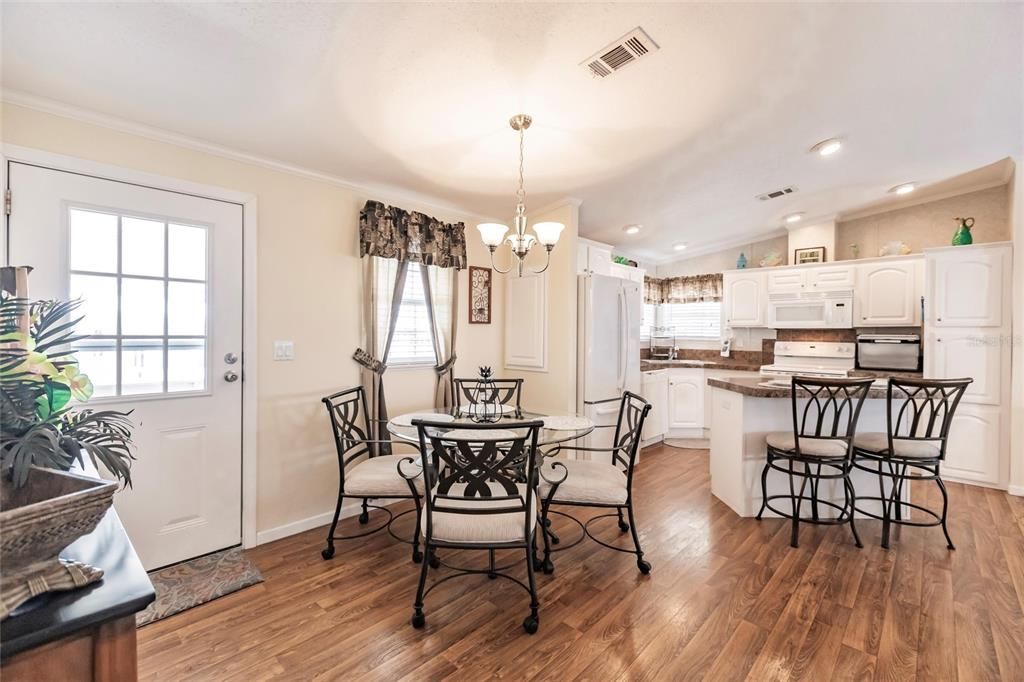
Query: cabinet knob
{"points": [[939, 319]]}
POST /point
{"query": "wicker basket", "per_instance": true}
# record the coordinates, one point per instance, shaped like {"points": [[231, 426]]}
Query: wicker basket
{"points": [[39, 520]]}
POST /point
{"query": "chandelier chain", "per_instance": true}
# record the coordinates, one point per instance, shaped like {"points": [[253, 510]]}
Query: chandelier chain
{"points": [[521, 192]]}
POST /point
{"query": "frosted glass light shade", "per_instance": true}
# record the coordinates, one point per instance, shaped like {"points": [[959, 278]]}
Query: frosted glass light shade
{"points": [[547, 233], [491, 233]]}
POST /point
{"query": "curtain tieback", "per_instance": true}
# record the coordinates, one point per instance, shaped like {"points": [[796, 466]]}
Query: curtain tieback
{"points": [[445, 366], [368, 361]]}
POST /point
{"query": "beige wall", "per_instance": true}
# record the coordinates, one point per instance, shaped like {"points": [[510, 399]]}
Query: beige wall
{"points": [[812, 237], [553, 391], [1016, 191], [929, 224], [725, 259], [308, 291]]}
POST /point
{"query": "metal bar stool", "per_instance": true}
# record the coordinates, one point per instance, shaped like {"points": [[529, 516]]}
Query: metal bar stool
{"points": [[822, 444], [918, 416]]}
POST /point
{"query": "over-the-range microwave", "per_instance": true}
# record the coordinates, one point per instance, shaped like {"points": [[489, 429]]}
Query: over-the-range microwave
{"points": [[811, 310]]}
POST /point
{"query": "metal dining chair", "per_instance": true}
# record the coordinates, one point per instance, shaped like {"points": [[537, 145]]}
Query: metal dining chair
{"points": [[919, 413], [481, 482], [604, 483], [507, 393], [364, 474]]}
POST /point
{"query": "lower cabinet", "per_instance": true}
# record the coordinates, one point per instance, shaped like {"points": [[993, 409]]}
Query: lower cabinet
{"points": [[974, 444], [686, 399], [654, 389]]}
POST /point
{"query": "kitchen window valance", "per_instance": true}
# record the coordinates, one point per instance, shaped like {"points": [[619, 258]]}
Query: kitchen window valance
{"points": [[390, 232], [692, 289]]}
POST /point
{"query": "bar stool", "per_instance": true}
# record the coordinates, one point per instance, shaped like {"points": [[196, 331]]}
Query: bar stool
{"points": [[822, 438], [918, 416]]}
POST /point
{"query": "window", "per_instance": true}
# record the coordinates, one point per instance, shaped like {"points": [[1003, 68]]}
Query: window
{"points": [[693, 320], [143, 287], [413, 340], [649, 320]]}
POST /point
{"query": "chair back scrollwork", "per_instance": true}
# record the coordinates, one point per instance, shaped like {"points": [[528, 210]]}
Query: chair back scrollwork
{"points": [[350, 425], [505, 392], [921, 410], [831, 410]]}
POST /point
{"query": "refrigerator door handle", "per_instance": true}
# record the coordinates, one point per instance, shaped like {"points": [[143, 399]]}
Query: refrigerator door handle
{"points": [[623, 339]]}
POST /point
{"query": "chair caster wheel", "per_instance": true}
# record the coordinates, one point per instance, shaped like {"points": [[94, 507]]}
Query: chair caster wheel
{"points": [[492, 576], [364, 518], [418, 620], [555, 540], [417, 557], [434, 561], [623, 526], [644, 566], [548, 567], [538, 565], [531, 624], [328, 552]]}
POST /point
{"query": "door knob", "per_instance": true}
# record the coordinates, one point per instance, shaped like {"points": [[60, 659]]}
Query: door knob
{"points": [[230, 358], [231, 376]]}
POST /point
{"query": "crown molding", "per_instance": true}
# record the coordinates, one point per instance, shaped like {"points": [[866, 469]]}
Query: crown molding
{"points": [[722, 245], [82, 115]]}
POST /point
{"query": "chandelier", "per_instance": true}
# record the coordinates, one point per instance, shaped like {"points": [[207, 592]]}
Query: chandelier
{"points": [[492, 234]]}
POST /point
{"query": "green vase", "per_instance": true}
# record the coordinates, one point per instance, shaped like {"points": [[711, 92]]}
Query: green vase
{"points": [[962, 236]]}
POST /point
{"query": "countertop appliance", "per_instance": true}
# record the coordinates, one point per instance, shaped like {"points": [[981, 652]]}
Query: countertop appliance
{"points": [[608, 358], [889, 351], [663, 347], [810, 359], [811, 310]]}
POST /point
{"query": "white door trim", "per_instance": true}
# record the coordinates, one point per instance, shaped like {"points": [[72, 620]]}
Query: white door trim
{"points": [[250, 354]]}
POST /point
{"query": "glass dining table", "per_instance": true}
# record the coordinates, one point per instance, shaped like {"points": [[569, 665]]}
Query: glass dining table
{"points": [[556, 429]]}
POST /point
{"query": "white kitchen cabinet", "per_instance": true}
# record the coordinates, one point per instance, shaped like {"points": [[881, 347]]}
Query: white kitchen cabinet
{"points": [[686, 399], [957, 353], [831, 277], [974, 444], [626, 272], [786, 280], [654, 389], [526, 321], [593, 258], [888, 294], [966, 285], [744, 299]]}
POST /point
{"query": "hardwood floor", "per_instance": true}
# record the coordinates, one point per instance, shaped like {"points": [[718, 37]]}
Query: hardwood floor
{"points": [[728, 599]]}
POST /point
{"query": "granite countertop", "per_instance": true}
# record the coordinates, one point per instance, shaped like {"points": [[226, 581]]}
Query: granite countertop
{"points": [[753, 387], [650, 365], [124, 590], [884, 374]]}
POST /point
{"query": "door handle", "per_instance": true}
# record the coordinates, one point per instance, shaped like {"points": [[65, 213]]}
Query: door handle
{"points": [[231, 376]]}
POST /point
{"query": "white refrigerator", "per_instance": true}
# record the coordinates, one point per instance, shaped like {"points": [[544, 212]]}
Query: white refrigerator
{"points": [[608, 354]]}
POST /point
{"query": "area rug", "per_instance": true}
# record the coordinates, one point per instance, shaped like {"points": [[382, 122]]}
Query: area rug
{"points": [[689, 443], [197, 581]]}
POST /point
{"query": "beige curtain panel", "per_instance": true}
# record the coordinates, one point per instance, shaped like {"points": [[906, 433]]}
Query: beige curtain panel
{"points": [[692, 289]]}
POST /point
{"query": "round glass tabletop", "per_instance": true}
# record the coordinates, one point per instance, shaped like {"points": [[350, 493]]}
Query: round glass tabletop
{"points": [[401, 426]]}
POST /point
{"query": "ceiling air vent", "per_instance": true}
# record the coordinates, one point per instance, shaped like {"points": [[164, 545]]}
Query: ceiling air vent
{"points": [[775, 194], [620, 53]]}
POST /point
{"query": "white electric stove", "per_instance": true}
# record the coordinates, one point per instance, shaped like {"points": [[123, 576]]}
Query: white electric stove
{"points": [[824, 359]]}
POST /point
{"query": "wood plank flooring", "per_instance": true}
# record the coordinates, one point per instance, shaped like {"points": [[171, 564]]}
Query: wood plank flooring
{"points": [[728, 599]]}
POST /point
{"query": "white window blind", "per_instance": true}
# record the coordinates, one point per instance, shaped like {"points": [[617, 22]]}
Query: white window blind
{"points": [[412, 343], [694, 320], [648, 321]]}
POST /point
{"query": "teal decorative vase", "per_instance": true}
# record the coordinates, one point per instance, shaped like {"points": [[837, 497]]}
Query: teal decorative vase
{"points": [[962, 237], [741, 262]]}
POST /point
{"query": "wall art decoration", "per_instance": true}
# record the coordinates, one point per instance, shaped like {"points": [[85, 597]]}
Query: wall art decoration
{"points": [[479, 295]]}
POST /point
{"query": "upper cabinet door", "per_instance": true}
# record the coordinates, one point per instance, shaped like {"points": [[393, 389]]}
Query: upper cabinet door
{"points": [[831, 277], [965, 287], [786, 281], [888, 295], [744, 299]]}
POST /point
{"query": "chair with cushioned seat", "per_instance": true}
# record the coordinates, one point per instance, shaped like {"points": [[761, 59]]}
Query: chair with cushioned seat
{"points": [[506, 393], [919, 413], [364, 472], [481, 495], [606, 483], [821, 443]]}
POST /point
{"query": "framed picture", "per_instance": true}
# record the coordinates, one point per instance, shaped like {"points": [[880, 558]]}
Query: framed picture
{"points": [[479, 295], [812, 255]]}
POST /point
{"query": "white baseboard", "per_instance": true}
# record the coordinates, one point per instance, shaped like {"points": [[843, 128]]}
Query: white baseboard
{"points": [[302, 525], [1017, 490]]}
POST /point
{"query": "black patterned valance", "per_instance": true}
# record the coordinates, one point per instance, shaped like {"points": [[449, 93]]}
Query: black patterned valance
{"points": [[692, 289], [390, 232]]}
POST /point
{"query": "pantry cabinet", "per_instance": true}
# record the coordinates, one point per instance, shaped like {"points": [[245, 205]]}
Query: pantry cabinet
{"points": [[955, 353], [888, 294], [966, 286], [974, 444]]}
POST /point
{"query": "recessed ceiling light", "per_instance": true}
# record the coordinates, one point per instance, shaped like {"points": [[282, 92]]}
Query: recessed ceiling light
{"points": [[679, 247], [828, 147], [794, 217], [632, 229], [905, 188]]}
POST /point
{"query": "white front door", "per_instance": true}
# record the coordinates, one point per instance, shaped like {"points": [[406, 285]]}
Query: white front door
{"points": [[160, 277]]}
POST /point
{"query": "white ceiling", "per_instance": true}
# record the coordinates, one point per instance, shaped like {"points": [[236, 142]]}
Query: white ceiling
{"points": [[417, 97]]}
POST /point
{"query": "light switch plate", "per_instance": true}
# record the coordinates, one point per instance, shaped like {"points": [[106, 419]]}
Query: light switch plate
{"points": [[284, 350]]}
